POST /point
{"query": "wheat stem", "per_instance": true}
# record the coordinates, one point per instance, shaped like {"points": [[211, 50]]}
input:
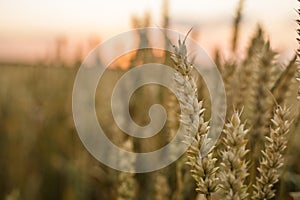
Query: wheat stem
{"points": [[126, 181]]}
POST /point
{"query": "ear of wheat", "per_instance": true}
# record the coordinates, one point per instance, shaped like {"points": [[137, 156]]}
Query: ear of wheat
{"points": [[280, 89], [245, 78], [233, 167], [272, 156], [192, 117]]}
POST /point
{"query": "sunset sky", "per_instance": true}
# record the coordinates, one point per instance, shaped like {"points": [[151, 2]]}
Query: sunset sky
{"points": [[29, 28]]}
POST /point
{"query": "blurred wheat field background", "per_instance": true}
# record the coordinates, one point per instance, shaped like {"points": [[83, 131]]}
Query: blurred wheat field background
{"points": [[42, 156]]}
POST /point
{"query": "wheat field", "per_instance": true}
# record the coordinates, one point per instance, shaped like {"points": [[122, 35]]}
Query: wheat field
{"points": [[257, 156]]}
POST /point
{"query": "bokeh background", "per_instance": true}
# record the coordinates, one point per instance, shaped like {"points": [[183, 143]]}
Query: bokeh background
{"points": [[42, 44], [31, 31]]}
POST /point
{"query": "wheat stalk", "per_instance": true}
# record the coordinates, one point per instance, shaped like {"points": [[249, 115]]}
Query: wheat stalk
{"points": [[272, 156], [203, 169], [228, 72], [281, 88], [233, 167], [126, 181], [236, 25], [263, 79], [161, 187], [246, 74], [192, 118]]}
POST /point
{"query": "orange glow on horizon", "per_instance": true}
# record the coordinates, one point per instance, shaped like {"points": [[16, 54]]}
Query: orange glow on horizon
{"points": [[29, 28]]}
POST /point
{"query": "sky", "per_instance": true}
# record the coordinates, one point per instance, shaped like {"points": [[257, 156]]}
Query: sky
{"points": [[29, 28]]}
